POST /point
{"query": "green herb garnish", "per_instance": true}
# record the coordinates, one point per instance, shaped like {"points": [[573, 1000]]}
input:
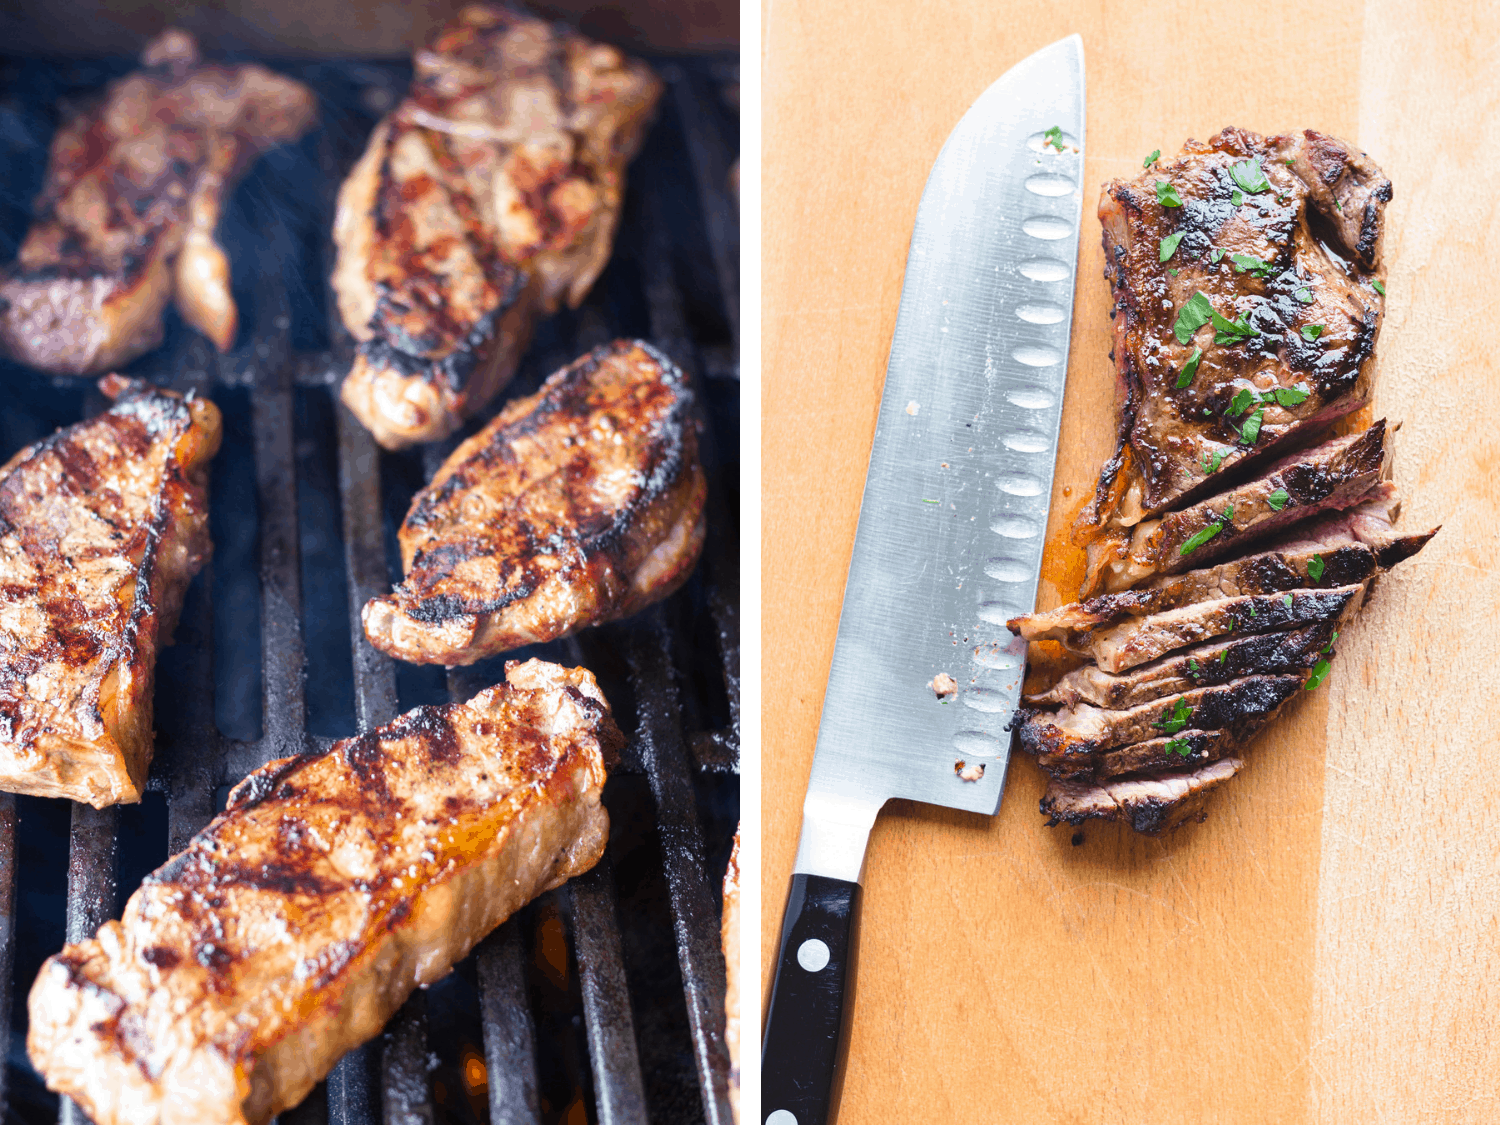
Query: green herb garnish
{"points": [[1053, 137], [1329, 646], [1166, 194], [1250, 176], [1248, 263], [1311, 332], [1217, 255], [1189, 369], [927, 501], [1201, 538], [1304, 294], [1232, 331], [1178, 746], [1174, 718], [1251, 429], [1319, 674], [1193, 315], [1287, 601], [1379, 286], [1211, 464], [1278, 500], [1192, 667], [1152, 159], [1169, 245], [1236, 197], [1243, 400], [1223, 656], [1315, 567], [1285, 396]]}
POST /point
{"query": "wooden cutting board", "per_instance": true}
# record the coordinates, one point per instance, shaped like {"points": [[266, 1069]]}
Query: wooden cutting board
{"points": [[1326, 947]]}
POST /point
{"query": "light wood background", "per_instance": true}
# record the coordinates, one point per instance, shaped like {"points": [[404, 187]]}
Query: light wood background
{"points": [[1325, 948]]}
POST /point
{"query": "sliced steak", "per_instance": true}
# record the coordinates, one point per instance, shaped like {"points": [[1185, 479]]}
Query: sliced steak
{"points": [[1335, 550], [1150, 805], [1142, 639], [1084, 730], [1334, 475], [1204, 666], [1280, 237]]}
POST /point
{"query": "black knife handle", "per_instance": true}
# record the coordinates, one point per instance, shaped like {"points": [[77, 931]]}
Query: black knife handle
{"points": [[802, 1055]]}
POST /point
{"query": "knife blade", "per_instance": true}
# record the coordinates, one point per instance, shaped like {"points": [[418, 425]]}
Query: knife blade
{"points": [[925, 675]]}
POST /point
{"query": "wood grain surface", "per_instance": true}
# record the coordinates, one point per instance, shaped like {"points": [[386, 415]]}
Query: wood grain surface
{"points": [[1325, 948]]}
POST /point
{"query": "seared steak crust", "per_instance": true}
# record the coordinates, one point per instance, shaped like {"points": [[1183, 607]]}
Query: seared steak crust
{"points": [[580, 504], [1334, 475], [102, 526], [487, 198], [127, 214], [1347, 548], [1149, 804], [1304, 281], [335, 883]]}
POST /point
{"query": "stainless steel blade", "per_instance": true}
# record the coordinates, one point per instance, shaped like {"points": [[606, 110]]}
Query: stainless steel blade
{"points": [[955, 504]]}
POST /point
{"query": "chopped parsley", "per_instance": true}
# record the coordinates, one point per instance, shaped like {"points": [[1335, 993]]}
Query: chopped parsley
{"points": [[1192, 316], [1251, 429], [1287, 601], [927, 501], [1285, 396], [1174, 718], [1252, 611], [1236, 197], [1329, 646], [1211, 464], [1174, 273], [1304, 294], [1152, 159], [1166, 194], [1289, 162], [1053, 137], [1311, 332], [1169, 245], [1179, 746], [1201, 538], [1315, 567], [1193, 668], [1250, 176], [1231, 331], [1249, 263], [1189, 369], [1223, 656], [1319, 674], [1240, 403], [1217, 255], [1278, 500], [1379, 286]]}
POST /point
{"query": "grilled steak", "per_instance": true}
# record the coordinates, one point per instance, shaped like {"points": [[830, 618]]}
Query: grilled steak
{"points": [[730, 936], [334, 884], [1137, 641], [580, 504], [1343, 548], [127, 214], [488, 197], [102, 526], [1202, 666], [1150, 805], [1280, 238], [1334, 475]]}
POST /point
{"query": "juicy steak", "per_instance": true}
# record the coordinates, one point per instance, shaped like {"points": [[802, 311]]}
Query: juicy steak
{"points": [[294, 925], [102, 526], [127, 214], [1150, 805], [1281, 237], [486, 199], [1344, 548], [580, 504]]}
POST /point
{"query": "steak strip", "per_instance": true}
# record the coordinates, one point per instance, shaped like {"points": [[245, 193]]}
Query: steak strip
{"points": [[1150, 805]]}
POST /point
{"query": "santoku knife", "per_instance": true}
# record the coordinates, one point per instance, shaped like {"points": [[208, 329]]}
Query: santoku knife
{"points": [[925, 675]]}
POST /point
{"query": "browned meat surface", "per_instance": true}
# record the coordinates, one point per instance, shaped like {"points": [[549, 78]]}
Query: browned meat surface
{"points": [[128, 210], [731, 941], [488, 197], [1343, 548], [580, 504], [1280, 238], [102, 526], [334, 884], [1149, 804], [1144, 639], [1334, 475], [1201, 666]]}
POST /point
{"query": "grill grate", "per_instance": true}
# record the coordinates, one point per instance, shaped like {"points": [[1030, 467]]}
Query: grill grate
{"points": [[561, 1008]]}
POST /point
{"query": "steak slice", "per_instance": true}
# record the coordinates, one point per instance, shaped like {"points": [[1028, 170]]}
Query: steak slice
{"points": [[486, 199], [580, 504], [1203, 666], [1150, 804], [1136, 641], [1280, 236], [333, 885], [126, 218], [1344, 548], [1336, 474], [1083, 731], [102, 526]]}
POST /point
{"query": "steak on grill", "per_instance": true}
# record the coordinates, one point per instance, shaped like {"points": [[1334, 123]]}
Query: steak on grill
{"points": [[335, 883], [1334, 475], [128, 210], [102, 526], [1344, 548], [487, 198], [579, 504], [1149, 804], [1281, 237]]}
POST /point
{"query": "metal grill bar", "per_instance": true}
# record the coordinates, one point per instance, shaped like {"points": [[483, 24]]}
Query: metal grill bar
{"points": [[92, 852], [509, 1036]]}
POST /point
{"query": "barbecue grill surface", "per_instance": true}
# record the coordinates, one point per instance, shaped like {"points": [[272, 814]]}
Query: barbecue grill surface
{"points": [[603, 997]]}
